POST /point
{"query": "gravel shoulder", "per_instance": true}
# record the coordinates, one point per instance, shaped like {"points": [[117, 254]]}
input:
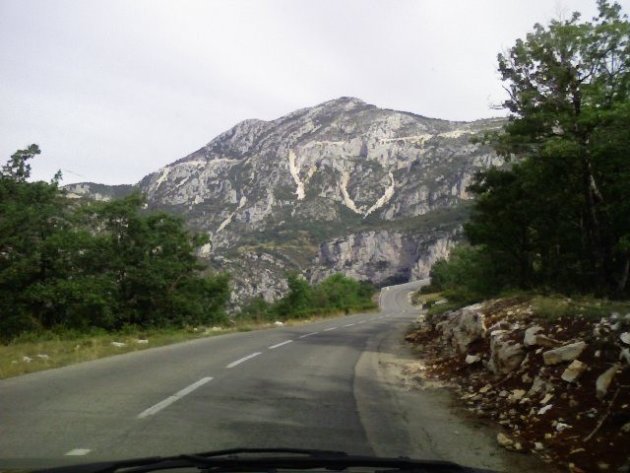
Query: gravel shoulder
{"points": [[424, 418]]}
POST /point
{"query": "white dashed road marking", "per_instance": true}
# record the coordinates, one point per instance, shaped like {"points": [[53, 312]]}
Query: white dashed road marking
{"points": [[241, 360], [308, 334], [279, 344], [171, 399], [348, 325], [329, 329], [78, 452]]}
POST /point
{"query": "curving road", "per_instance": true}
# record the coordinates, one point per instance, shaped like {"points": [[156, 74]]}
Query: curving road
{"points": [[283, 387], [331, 384]]}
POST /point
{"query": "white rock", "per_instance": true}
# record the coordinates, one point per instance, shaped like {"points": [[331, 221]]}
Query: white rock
{"points": [[573, 371], [505, 355], [277, 323], [469, 326], [544, 409], [539, 386], [625, 355], [626, 428], [27, 359], [625, 337], [142, 341], [504, 440], [119, 344], [547, 398], [561, 426], [471, 359], [564, 353], [603, 381], [516, 395], [530, 335], [43, 356], [538, 445]]}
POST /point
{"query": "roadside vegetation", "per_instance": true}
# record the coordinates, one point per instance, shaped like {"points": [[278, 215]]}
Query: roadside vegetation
{"points": [[75, 265], [33, 352], [556, 220], [336, 294], [107, 274]]}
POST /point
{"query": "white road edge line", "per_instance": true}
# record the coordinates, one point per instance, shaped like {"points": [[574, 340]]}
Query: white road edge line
{"points": [[348, 325], [329, 329], [78, 452], [279, 344], [308, 334], [241, 360], [171, 399]]}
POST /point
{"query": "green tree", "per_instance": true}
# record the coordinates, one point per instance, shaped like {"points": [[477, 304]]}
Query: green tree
{"points": [[298, 299], [31, 215], [467, 275], [66, 264], [151, 258], [560, 216]]}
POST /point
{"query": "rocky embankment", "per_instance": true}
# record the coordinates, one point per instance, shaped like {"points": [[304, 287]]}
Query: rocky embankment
{"points": [[559, 386]]}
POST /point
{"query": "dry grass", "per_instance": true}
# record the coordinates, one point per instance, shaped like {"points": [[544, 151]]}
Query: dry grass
{"points": [[555, 307]]}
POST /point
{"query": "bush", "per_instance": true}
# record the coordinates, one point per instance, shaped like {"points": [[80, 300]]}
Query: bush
{"points": [[335, 294], [467, 276]]}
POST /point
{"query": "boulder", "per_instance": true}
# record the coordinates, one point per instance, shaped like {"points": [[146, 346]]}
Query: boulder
{"points": [[564, 353], [469, 327], [603, 381], [573, 371], [505, 354], [462, 327]]}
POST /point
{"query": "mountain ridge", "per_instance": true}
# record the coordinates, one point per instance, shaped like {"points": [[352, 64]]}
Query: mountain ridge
{"points": [[325, 188]]}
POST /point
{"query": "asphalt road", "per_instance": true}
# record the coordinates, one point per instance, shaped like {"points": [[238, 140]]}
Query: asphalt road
{"points": [[310, 386]]}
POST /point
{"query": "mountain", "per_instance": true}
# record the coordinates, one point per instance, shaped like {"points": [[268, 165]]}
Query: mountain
{"points": [[344, 186]]}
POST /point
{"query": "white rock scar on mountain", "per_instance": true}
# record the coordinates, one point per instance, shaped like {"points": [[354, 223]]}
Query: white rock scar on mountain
{"points": [[387, 195], [295, 173], [162, 177], [347, 200], [228, 220]]}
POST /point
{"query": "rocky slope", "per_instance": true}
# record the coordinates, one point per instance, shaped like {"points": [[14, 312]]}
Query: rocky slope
{"points": [[342, 186], [554, 373]]}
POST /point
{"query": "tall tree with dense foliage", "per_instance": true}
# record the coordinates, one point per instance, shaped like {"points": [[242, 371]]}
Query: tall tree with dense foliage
{"points": [[67, 264], [560, 215]]}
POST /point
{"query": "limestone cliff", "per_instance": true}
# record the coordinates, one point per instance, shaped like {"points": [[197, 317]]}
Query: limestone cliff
{"points": [[342, 186]]}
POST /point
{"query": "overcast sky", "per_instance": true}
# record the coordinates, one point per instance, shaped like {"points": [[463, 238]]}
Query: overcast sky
{"points": [[113, 90]]}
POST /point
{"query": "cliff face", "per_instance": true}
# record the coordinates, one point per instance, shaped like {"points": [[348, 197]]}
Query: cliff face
{"points": [[383, 257], [342, 186]]}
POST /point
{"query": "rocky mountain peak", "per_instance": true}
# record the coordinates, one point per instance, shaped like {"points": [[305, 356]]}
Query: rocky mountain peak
{"points": [[340, 186]]}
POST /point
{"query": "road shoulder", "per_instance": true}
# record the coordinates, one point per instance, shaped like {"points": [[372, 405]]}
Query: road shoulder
{"points": [[404, 416]]}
